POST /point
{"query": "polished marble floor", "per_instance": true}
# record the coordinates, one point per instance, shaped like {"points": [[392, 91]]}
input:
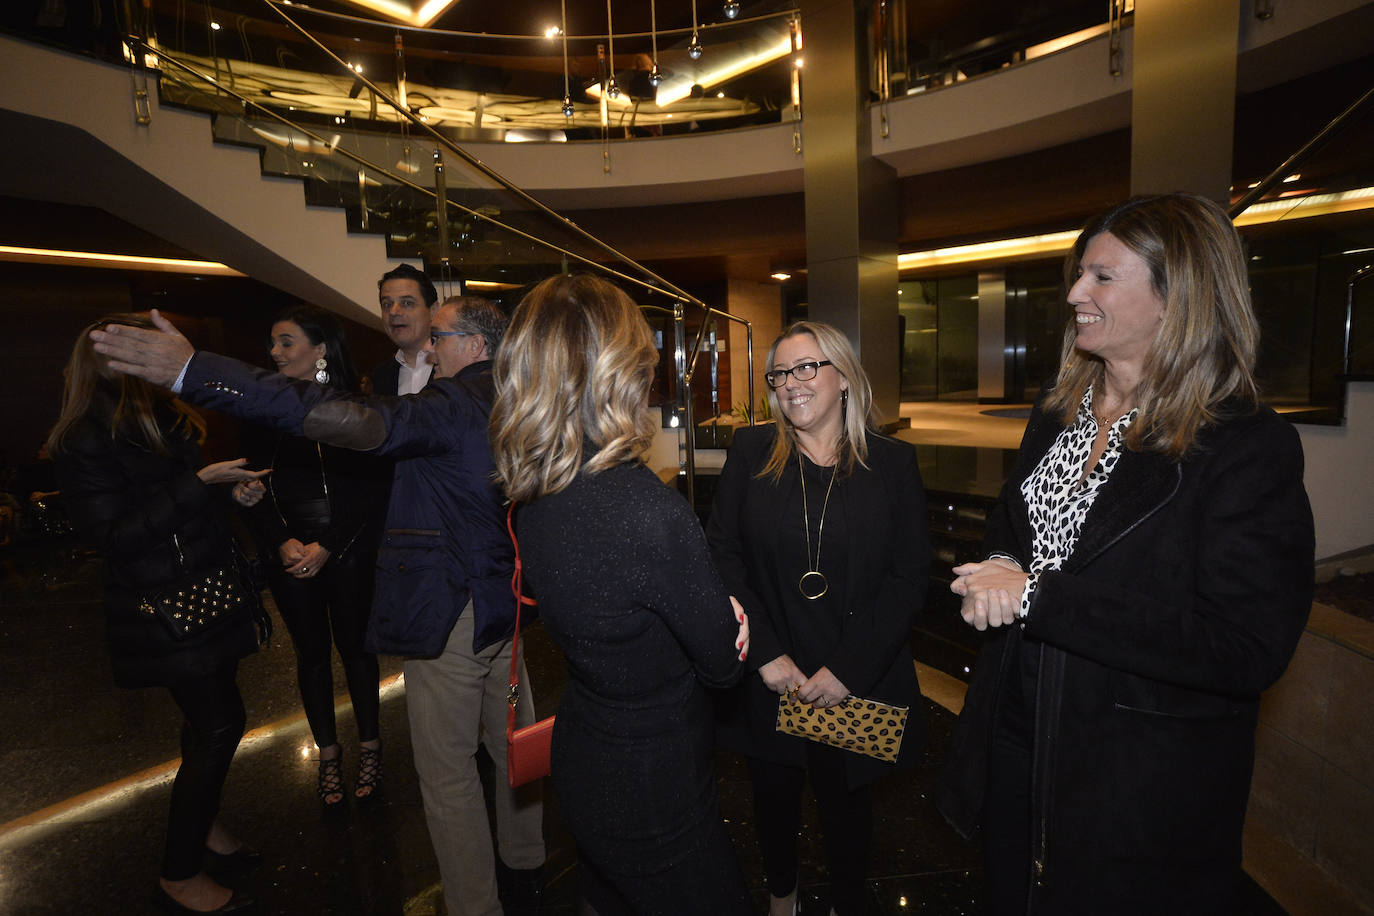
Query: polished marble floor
{"points": [[85, 768], [86, 775]]}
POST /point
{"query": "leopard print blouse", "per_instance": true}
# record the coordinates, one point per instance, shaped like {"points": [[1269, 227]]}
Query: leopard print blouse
{"points": [[1056, 501]]}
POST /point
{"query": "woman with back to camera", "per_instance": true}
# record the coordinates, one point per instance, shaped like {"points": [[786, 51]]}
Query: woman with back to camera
{"points": [[318, 529], [1149, 571], [127, 457], [627, 590], [819, 528]]}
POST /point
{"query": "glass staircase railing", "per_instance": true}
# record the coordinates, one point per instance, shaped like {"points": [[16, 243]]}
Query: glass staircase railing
{"points": [[399, 172]]}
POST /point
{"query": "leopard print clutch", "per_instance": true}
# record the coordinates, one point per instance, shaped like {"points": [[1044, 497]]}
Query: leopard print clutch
{"points": [[863, 726]]}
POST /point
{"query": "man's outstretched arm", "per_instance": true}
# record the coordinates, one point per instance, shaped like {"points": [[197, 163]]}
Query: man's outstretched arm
{"points": [[156, 356], [402, 427]]}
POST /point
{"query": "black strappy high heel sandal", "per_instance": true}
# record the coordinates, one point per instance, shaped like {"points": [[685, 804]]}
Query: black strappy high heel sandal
{"points": [[369, 784], [330, 786]]}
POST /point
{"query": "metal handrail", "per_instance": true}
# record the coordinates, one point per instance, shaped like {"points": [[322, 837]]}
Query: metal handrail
{"points": [[477, 164], [1305, 152], [457, 33], [162, 55], [1355, 278], [686, 365], [685, 371]]}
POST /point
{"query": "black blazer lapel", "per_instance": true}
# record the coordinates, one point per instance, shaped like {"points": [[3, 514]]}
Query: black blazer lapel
{"points": [[1139, 486]]}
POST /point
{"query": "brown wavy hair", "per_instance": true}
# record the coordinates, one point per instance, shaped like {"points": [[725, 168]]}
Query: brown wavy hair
{"points": [[572, 377], [1205, 351], [90, 389]]}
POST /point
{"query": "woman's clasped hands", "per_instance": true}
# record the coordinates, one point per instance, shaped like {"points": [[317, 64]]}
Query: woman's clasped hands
{"points": [[991, 591], [782, 675], [302, 560]]}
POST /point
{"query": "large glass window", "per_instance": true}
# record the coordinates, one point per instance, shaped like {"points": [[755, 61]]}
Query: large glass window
{"points": [[916, 305], [1036, 312], [939, 338], [1299, 284]]}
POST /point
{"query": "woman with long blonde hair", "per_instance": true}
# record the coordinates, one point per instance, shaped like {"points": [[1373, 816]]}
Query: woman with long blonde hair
{"points": [[1147, 573], [627, 590], [127, 457], [819, 527]]}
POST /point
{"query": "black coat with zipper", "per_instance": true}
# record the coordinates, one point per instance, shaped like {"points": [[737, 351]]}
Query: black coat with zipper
{"points": [[1184, 598], [317, 492], [129, 502]]}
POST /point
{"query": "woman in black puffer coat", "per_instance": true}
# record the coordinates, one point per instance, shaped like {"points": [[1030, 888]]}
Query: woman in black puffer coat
{"points": [[127, 458]]}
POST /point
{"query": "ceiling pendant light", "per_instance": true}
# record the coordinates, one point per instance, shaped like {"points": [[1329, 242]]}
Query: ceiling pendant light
{"points": [[612, 88], [731, 9], [655, 77], [694, 46], [567, 89]]}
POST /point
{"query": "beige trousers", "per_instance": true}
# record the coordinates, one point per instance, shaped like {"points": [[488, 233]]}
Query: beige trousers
{"points": [[454, 702]]}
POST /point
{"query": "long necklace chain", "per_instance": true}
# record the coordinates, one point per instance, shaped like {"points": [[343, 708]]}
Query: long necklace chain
{"points": [[813, 579]]}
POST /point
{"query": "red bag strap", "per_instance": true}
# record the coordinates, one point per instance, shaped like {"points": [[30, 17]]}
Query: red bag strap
{"points": [[516, 581]]}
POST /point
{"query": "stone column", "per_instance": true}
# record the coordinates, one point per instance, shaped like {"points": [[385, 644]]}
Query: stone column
{"points": [[852, 199], [993, 363], [1183, 97]]}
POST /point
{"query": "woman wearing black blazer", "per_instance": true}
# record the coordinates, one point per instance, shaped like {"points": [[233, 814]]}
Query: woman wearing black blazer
{"points": [[1149, 572], [819, 529]]}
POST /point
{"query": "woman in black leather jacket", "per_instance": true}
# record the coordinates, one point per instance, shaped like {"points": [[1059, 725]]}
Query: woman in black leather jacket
{"points": [[317, 529], [127, 457]]}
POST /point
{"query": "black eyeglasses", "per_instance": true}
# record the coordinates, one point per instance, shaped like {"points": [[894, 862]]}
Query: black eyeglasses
{"points": [[435, 335], [802, 372]]}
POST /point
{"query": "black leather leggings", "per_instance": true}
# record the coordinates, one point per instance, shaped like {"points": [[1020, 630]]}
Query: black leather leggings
{"points": [[846, 824], [214, 721], [337, 600]]}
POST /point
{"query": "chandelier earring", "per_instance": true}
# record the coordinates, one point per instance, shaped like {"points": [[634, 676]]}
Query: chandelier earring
{"points": [[321, 375]]}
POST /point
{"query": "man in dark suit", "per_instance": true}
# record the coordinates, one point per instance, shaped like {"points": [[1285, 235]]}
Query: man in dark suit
{"points": [[407, 299]]}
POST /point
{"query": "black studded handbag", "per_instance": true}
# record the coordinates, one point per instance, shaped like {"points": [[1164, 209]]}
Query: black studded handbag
{"points": [[198, 601]]}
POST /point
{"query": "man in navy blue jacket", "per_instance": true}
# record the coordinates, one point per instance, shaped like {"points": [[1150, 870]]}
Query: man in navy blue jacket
{"points": [[443, 595]]}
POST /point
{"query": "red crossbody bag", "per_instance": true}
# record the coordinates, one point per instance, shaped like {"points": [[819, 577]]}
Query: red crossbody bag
{"points": [[527, 749]]}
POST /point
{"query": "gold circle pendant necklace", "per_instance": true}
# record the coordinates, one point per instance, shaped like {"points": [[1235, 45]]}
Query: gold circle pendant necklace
{"points": [[813, 584]]}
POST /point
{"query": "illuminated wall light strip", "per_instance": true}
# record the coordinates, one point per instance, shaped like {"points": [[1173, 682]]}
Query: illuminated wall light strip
{"points": [[1052, 243], [1273, 211], [407, 12], [18, 832], [127, 261], [731, 70], [1066, 41], [1290, 208]]}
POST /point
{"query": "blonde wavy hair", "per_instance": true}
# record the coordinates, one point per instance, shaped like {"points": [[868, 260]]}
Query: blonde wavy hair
{"points": [[1207, 343], [90, 388], [859, 415], [572, 377]]}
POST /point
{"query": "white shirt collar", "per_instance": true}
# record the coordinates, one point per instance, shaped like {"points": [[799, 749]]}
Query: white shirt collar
{"points": [[424, 358]]}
